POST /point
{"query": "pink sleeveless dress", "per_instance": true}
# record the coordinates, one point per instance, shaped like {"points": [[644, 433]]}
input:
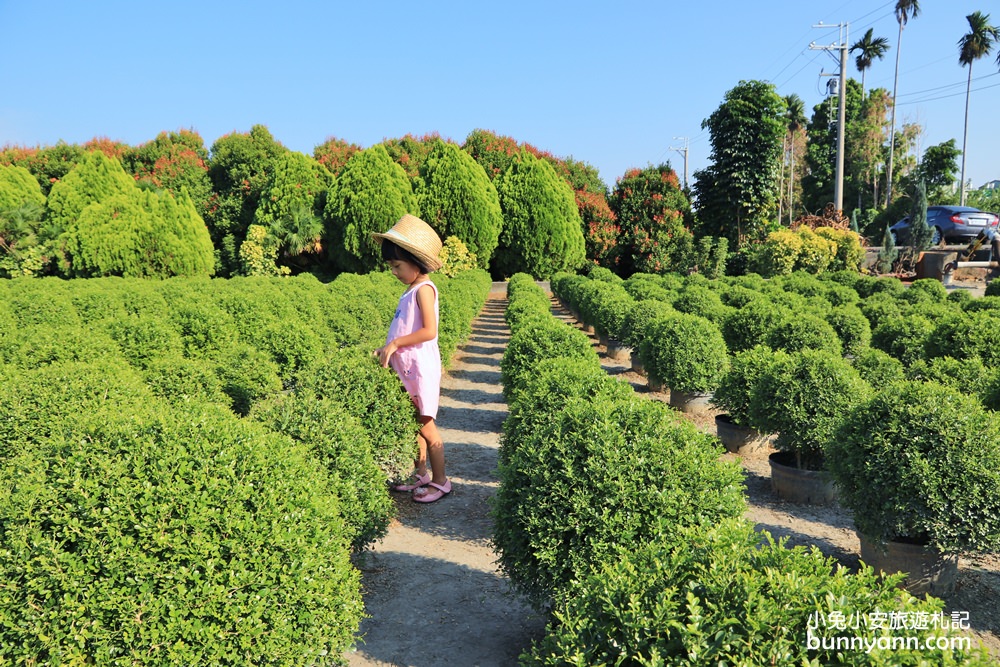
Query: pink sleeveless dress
{"points": [[418, 366]]}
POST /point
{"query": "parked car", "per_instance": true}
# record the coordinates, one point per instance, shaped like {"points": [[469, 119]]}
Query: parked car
{"points": [[953, 224]]}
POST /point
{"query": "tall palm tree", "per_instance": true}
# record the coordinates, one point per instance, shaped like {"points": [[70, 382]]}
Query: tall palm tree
{"points": [[869, 48], [904, 10], [973, 46], [795, 120]]}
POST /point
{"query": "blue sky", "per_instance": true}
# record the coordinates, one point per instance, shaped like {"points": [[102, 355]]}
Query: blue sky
{"points": [[614, 84]]}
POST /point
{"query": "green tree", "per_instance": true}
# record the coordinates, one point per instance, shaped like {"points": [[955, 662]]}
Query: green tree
{"points": [[975, 44], [171, 161], [96, 178], [139, 234], [904, 10], [291, 206], [457, 198], [821, 155], [493, 152], [869, 48], [411, 152], [888, 253], [937, 169], [369, 196], [654, 216], [795, 119], [737, 193], [864, 152], [25, 248], [240, 168], [921, 236], [542, 233], [334, 154]]}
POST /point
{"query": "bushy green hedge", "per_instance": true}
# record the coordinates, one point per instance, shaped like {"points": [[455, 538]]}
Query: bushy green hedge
{"points": [[342, 444], [171, 537], [598, 478], [685, 352], [921, 461], [802, 398], [736, 387], [722, 597], [539, 339]]}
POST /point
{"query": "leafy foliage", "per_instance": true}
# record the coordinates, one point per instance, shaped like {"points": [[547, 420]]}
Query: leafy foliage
{"points": [[458, 199], [542, 231], [371, 193]]}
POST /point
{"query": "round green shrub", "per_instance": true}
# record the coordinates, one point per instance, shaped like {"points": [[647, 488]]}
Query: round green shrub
{"points": [[179, 379], [920, 461], [182, 536], [879, 308], [966, 336], [537, 341], [737, 384], [804, 331], [903, 337], [611, 312], [960, 297], [852, 328], [353, 378], [751, 325], [685, 352], [554, 381], [969, 375], [656, 472], [925, 289], [878, 368], [988, 303], [703, 302], [640, 314], [342, 445], [38, 399], [145, 337], [246, 375], [724, 596], [992, 289], [802, 398]]}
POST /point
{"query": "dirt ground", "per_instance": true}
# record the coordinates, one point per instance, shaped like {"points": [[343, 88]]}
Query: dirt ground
{"points": [[431, 588]]}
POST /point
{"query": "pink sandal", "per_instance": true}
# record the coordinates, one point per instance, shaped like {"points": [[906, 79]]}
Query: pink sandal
{"points": [[431, 496], [421, 480]]}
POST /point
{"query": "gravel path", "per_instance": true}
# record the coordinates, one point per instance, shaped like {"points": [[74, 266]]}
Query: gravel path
{"points": [[431, 587]]}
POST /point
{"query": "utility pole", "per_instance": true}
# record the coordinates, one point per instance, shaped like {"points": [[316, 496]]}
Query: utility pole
{"points": [[838, 193], [683, 151]]}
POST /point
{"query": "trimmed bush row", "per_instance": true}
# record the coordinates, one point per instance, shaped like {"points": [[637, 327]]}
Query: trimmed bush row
{"points": [[923, 331], [620, 518], [143, 520]]}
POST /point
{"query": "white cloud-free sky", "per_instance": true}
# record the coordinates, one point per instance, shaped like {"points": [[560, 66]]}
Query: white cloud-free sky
{"points": [[615, 84]]}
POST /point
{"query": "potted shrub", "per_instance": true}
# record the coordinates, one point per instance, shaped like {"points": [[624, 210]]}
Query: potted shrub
{"points": [[733, 397], [918, 464], [801, 398], [688, 354], [633, 331], [611, 312]]}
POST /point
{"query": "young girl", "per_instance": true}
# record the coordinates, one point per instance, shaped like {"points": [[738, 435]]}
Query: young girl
{"points": [[411, 248]]}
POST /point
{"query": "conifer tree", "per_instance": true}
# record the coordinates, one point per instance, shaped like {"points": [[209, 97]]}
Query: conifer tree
{"points": [[542, 233], [458, 199], [370, 195]]}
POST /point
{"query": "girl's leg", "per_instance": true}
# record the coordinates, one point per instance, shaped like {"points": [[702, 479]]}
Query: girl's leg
{"points": [[434, 448], [420, 464]]}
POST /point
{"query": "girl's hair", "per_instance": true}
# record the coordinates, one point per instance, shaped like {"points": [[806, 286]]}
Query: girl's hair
{"points": [[391, 251]]}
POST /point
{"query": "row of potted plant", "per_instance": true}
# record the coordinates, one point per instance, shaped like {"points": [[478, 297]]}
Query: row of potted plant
{"points": [[619, 518], [813, 398]]}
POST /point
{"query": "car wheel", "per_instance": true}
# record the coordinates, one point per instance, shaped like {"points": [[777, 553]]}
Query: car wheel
{"points": [[936, 238]]}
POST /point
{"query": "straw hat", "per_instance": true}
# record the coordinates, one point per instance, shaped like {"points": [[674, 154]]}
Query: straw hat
{"points": [[416, 236]]}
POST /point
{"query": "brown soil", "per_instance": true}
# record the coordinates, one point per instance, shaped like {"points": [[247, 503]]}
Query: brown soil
{"points": [[431, 587]]}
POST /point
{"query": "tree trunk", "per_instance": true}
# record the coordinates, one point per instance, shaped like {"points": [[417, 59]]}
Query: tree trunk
{"points": [[965, 137], [892, 124]]}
